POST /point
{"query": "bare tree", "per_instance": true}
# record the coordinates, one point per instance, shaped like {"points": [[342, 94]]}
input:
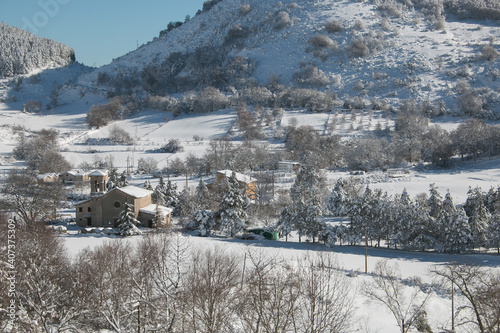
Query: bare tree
{"points": [[29, 200], [211, 291], [45, 288], [387, 289], [104, 277], [271, 290], [326, 302], [479, 288]]}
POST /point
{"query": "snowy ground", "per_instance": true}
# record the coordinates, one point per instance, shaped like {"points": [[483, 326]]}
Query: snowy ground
{"points": [[369, 317]]}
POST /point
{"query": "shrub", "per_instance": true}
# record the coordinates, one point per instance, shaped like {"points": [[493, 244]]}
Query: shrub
{"points": [[358, 48], [244, 9], [282, 21], [119, 135], [359, 25], [321, 41], [489, 53], [33, 106], [311, 76], [333, 26], [391, 7], [173, 146], [236, 36]]}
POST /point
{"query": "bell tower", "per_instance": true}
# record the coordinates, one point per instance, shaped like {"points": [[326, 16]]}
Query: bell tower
{"points": [[98, 180]]}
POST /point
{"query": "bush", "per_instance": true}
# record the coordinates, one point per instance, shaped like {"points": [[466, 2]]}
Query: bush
{"points": [[236, 36], [173, 146], [33, 106], [311, 76], [147, 165], [333, 26], [102, 114], [282, 21], [489, 53], [321, 41], [119, 135], [244, 9]]}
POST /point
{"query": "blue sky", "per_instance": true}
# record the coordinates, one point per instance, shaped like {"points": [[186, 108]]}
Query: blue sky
{"points": [[98, 30]]}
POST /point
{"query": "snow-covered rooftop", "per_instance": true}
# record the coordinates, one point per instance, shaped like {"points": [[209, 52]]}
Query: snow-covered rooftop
{"points": [[239, 176], [134, 191], [98, 173], [151, 210]]}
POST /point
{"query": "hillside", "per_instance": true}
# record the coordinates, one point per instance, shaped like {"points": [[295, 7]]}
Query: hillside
{"points": [[22, 52], [360, 54]]}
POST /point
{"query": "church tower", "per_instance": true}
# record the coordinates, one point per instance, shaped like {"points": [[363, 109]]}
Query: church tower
{"points": [[98, 180]]}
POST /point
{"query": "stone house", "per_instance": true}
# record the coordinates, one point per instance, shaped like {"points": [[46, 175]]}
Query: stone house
{"points": [[247, 184], [104, 207]]}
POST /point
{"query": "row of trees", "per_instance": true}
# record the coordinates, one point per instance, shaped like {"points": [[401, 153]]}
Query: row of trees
{"points": [[164, 285], [423, 223], [412, 140]]}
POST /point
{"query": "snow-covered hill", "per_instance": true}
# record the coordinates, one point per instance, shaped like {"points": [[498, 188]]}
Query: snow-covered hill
{"points": [[356, 49], [22, 52]]}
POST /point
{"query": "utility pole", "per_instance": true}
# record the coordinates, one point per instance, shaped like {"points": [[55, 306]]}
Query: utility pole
{"points": [[452, 306], [366, 251]]}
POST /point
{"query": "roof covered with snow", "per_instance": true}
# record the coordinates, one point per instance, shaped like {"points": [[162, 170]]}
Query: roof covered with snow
{"points": [[239, 176], [134, 191], [151, 210], [75, 172], [98, 173]]}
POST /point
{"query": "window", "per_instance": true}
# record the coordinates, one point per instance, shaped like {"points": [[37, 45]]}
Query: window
{"points": [[80, 209], [89, 209], [117, 204]]}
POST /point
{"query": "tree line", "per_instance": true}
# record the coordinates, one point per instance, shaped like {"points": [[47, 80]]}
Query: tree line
{"points": [[427, 222]]}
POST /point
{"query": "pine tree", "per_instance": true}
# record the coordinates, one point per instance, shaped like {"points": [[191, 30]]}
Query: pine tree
{"points": [[338, 202], [171, 195], [478, 214], [307, 196], [285, 223], [231, 212], [113, 179], [202, 196], [203, 221], [158, 195], [147, 185], [494, 232], [127, 222], [186, 205], [455, 236]]}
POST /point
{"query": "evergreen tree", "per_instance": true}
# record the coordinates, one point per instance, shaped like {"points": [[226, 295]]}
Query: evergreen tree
{"points": [[478, 214], [286, 223], [171, 195], [158, 220], [123, 180], [231, 212], [203, 221], [147, 185], [494, 232], [202, 196], [112, 179], [186, 204], [127, 221], [339, 200], [158, 195], [435, 201], [492, 200], [307, 196], [455, 236]]}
